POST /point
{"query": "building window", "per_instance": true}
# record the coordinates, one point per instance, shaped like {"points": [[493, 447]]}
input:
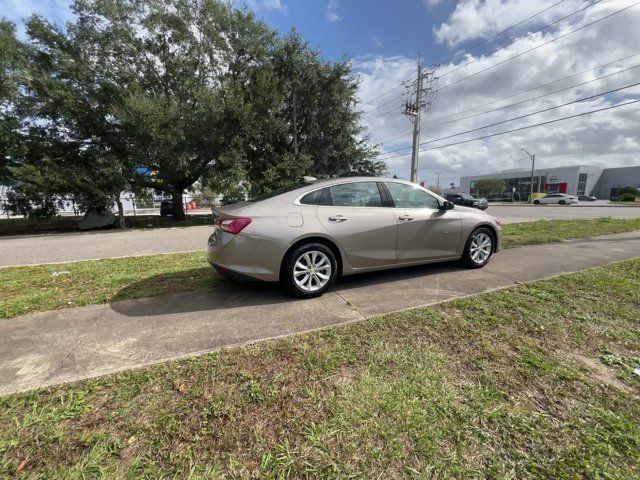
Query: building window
{"points": [[582, 183]]}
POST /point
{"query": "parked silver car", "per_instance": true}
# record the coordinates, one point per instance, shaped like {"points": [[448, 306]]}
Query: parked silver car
{"points": [[308, 234]]}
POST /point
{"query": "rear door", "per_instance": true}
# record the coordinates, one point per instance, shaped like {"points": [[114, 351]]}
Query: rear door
{"points": [[424, 231], [354, 215]]}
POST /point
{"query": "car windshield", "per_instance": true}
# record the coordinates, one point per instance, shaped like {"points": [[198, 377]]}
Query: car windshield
{"points": [[277, 191], [467, 196]]}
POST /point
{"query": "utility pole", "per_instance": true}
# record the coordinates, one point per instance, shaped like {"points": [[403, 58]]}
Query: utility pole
{"points": [[416, 128], [422, 87], [533, 162], [438, 183]]}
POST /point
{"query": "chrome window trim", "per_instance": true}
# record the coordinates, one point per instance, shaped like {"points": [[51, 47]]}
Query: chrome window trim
{"points": [[439, 199]]}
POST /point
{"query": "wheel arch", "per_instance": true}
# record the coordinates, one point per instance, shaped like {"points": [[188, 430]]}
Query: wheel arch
{"points": [[492, 230], [327, 242]]}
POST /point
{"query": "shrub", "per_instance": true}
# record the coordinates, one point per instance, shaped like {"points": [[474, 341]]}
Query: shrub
{"points": [[626, 197]]}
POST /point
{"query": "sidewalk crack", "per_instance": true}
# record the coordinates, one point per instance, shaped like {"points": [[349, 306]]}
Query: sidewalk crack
{"points": [[350, 305], [77, 344]]}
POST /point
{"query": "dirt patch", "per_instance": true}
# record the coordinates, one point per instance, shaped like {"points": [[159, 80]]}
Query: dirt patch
{"points": [[601, 372]]}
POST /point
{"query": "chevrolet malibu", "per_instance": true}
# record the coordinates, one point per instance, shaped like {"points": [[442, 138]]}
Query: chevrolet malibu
{"points": [[307, 235]]}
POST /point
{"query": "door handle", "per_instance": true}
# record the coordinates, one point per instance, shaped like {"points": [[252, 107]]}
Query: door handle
{"points": [[405, 218], [338, 218]]}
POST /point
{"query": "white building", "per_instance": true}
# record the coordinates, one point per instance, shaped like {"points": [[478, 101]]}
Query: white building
{"points": [[574, 180]]}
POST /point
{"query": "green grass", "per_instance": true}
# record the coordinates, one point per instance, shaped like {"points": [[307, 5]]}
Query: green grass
{"points": [[546, 231], [34, 289], [26, 226], [627, 204], [535, 381]]}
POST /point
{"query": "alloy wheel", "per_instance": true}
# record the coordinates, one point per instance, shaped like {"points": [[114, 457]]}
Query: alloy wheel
{"points": [[480, 248], [312, 271]]}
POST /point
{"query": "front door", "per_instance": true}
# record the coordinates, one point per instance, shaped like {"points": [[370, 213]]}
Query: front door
{"points": [[424, 231], [364, 228]]}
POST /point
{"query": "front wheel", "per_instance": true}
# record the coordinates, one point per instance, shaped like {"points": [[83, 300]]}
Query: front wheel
{"points": [[479, 248], [536, 202], [309, 270], [562, 202]]}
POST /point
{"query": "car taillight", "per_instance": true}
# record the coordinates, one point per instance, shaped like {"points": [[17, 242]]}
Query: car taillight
{"points": [[233, 225]]}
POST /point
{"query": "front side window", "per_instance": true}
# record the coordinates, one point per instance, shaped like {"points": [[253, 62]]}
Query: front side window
{"points": [[406, 196], [357, 194]]}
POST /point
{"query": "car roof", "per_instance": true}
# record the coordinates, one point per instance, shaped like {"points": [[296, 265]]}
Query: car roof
{"points": [[336, 181], [325, 182]]}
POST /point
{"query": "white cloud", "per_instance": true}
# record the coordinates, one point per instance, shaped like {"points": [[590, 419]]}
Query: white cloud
{"points": [[608, 138], [332, 11], [432, 3], [377, 42], [477, 19], [257, 5]]}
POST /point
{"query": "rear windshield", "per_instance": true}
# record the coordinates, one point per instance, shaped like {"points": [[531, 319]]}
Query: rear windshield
{"points": [[276, 192]]}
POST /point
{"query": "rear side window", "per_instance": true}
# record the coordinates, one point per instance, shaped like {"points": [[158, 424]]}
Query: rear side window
{"points": [[311, 198], [357, 194], [405, 196]]}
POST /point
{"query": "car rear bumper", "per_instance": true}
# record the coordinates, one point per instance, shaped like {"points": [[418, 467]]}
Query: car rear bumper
{"points": [[245, 256]]}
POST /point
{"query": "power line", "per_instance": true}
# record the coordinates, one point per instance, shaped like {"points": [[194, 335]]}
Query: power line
{"points": [[521, 128], [533, 88], [536, 98], [522, 116], [401, 84], [395, 109], [379, 106], [466, 51], [501, 33], [399, 135], [522, 38], [538, 46]]}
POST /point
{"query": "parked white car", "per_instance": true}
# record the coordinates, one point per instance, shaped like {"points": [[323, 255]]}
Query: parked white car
{"points": [[556, 199]]}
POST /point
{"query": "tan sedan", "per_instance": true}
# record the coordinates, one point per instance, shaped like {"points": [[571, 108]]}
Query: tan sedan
{"points": [[306, 235]]}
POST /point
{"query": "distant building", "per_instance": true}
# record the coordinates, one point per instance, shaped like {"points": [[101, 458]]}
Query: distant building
{"points": [[574, 180]]}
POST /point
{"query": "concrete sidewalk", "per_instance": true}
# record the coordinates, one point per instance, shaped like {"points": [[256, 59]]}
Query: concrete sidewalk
{"points": [[65, 345]]}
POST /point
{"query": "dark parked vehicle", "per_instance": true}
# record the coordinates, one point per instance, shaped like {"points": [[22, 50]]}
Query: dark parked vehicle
{"points": [[166, 208], [467, 200], [587, 198], [229, 200]]}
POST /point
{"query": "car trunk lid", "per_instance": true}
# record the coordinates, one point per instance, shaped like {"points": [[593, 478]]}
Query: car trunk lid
{"points": [[230, 211]]}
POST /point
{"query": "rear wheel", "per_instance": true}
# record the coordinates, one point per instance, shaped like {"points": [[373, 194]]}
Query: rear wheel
{"points": [[309, 270], [479, 248], [562, 202], [536, 202]]}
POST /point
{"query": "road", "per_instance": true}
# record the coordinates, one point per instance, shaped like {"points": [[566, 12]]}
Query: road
{"points": [[53, 248], [65, 345]]}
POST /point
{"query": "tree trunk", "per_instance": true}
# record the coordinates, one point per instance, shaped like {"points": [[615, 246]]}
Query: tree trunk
{"points": [[121, 221], [178, 207]]}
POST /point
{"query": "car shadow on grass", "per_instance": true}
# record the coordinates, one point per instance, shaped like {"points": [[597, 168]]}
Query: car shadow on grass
{"points": [[230, 294]]}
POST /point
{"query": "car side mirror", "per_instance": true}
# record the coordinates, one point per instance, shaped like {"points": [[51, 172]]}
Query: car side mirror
{"points": [[447, 206]]}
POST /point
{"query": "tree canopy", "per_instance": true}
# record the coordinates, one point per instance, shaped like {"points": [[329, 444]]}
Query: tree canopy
{"points": [[195, 90], [490, 185]]}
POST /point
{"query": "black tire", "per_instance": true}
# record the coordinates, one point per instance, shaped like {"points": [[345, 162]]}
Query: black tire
{"points": [[287, 274], [467, 256], [536, 202], [562, 202]]}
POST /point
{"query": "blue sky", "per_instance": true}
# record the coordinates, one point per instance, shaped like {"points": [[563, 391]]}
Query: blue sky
{"points": [[382, 39], [357, 28]]}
